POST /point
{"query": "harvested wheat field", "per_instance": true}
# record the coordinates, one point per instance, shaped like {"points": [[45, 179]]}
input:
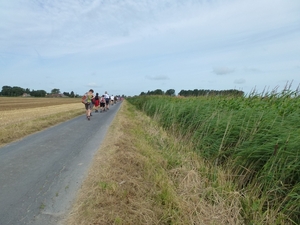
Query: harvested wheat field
{"points": [[9, 103], [23, 116]]}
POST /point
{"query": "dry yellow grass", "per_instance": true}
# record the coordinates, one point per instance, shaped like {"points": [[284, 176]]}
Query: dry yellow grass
{"points": [[140, 175], [10, 103], [17, 121]]}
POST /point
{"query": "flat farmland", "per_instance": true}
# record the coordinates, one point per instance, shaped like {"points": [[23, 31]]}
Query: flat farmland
{"points": [[10, 103], [23, 116]]}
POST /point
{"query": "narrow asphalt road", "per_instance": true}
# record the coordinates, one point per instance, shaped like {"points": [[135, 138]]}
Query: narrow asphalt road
{"points": [[41, 174]]}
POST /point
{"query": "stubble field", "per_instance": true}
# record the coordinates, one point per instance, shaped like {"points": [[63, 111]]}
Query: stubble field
{"points": [[23, 116]]}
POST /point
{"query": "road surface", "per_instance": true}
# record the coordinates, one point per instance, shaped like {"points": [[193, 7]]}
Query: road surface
{"points": [[40, 174]]}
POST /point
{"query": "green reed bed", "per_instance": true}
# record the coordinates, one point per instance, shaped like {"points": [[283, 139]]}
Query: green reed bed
{"points": [[256, 137]]}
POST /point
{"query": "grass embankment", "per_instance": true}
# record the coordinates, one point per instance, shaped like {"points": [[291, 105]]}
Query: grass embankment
{"points": [[141, 175], [23, 116], [255, 138]]}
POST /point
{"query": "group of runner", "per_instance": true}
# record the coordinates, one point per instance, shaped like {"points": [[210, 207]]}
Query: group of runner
{"points": [[97, 103]]}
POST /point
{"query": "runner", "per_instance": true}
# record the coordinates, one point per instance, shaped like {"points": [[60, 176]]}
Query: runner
{"points": [[102, 103], [112, 99], [97, 102], [106, 96], [87, 100]]}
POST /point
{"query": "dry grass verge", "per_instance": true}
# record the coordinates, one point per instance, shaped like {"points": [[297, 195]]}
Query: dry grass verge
{"points": [[142, 176]]}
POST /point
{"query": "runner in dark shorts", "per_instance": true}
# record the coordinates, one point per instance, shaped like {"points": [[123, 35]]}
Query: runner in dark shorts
{"points": [[107, 98], [88, 106], [88, 102], [102, 104]]}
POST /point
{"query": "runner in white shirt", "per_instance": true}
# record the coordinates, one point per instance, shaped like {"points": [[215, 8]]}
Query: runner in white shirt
{"points": [[112, 99], [106, 96]]}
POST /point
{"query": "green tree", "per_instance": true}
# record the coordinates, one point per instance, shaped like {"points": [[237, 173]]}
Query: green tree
{"points": [[170, 92], [72, 95], [66, 94], [55, 91], [38, 93], [12, 91], [158, 92], [18, 91], [6, 90]]}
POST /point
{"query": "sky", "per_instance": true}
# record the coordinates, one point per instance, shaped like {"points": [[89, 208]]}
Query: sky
{"points": [[126, 47]]}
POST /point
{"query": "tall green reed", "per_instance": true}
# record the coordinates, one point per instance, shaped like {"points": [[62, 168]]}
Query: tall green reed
{"points": [[256, 136]]}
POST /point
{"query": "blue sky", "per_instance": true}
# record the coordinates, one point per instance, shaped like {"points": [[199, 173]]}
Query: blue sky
{"points": [[130, 46]]}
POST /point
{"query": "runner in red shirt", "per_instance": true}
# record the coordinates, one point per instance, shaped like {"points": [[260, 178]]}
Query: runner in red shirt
{"points": [[97, 102]]}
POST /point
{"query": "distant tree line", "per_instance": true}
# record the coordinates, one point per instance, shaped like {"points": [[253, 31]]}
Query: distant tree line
{"points": [[18, 91], [203, 92], [170, 92], [71, 95], [195, 92]]}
